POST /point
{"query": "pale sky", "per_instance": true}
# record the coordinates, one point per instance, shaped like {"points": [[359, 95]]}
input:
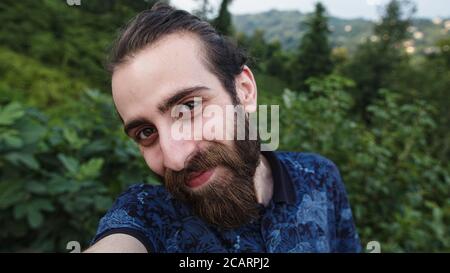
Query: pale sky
{"points": [[339, 8]]}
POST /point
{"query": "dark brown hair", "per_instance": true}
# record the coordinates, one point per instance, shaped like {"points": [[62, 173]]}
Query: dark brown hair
{"points": [[223, 57]]}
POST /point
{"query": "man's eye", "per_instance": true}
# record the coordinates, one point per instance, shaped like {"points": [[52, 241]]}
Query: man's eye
{"points": [[190, 105], [187, 110], [145, 133]]}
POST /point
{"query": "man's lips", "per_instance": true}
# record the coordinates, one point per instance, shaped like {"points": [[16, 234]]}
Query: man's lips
{"points": [[197, 179]]}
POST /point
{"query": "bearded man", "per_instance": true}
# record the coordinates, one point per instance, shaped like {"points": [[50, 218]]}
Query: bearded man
{"points": [[218, 194]]}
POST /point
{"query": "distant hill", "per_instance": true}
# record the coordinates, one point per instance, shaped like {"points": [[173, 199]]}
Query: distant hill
{"points": [[285, 27]]}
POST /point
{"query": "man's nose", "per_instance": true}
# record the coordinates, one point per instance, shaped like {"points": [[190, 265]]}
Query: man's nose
{"points": [[175, 152]]}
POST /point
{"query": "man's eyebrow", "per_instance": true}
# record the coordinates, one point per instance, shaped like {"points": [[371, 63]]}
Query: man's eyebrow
{"points": [[164, 106], [179, 95], [133, 124]]}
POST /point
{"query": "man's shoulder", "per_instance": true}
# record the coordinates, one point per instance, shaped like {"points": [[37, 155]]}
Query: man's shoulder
{"points": [[140, 200], [307, 163], [142, 189], [140, 211], [139, 207], [311, 170], [144, 195], [321, 198]]}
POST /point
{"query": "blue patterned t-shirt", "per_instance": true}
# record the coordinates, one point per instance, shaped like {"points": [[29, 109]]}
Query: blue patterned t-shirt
{"points": [[309, 212]]}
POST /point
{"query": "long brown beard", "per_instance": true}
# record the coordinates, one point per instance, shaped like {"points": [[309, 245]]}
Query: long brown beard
{"points": [[229, 200]]}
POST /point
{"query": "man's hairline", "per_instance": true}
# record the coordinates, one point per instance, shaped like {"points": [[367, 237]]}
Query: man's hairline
{"points": [[181, 33]]}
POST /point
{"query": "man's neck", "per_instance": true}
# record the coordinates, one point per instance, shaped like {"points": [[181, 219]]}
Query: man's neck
{"points": [[263, 182]]}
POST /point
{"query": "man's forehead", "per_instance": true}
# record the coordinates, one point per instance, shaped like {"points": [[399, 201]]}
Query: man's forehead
{"points": [[176, 53], [171, 64]]}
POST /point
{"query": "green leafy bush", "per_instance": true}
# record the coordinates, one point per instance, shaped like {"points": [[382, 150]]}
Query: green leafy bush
{"points": [[58, 176], [399, 190], [27, 80]]}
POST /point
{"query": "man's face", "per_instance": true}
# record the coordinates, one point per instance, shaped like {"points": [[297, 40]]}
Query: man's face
{"points": [[214, 175]]}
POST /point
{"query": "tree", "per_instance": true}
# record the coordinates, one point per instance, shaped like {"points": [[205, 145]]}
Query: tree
{"points": [[314, 55], [433, 80], [204, 9], [266, 57], [378, 62], [395, 22], [223, 22]]}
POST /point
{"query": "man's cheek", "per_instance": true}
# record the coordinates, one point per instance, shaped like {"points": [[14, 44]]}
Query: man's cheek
{"points": [[151, 159]]}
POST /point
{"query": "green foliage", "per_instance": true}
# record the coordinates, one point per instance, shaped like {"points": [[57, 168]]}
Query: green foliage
{"points": [[71, 39], [267, 58], [59, 176], [398, 189], [314, 55], [39, 85], [433, 78], [395, 22], [372, 72], [222, 22]]}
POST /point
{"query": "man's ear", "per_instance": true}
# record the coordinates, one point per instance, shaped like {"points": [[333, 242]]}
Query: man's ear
{"points": [[246, 89]]}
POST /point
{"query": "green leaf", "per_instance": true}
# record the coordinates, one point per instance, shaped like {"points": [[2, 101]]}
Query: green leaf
{"points": [[70, 163], [102, 202], [11, 193], [90, 169], [36, 187], [59, 185], [26, 159], [20, 211], [35, 218], [12, 141], [10, 113], [42, 204], [30, 161], [72, 137], [31, 131]]}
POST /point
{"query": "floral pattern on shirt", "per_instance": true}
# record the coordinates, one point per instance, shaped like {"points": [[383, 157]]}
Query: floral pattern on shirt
{"points": [[319, 221]]}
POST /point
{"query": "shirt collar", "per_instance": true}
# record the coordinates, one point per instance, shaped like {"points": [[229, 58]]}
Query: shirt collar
{"points": [[283, 186]]}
